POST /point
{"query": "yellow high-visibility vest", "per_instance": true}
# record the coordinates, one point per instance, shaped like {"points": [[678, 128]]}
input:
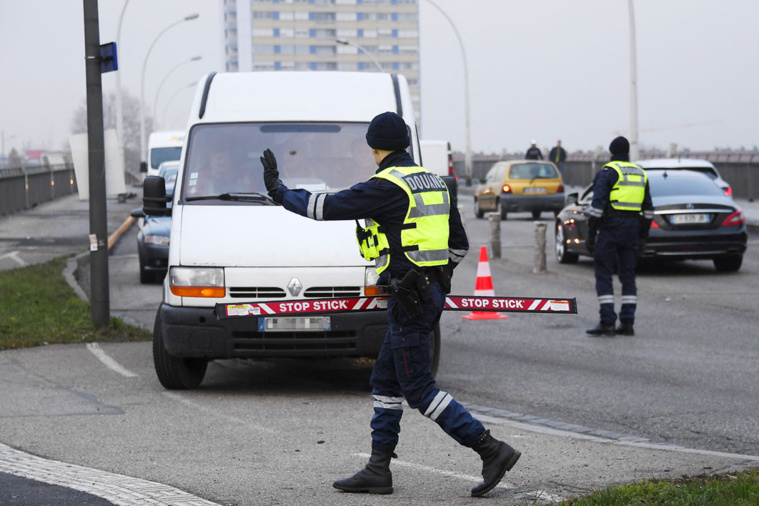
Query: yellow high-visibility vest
{"points": [[630, 189], [424, 232]]}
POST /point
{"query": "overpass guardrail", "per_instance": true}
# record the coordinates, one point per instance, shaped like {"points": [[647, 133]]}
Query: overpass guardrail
{"points": [[741, 170]]}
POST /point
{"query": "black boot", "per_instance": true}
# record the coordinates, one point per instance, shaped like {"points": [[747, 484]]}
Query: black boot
{"points": [[625, 329], [601, 330], [375, 478], [497, 458]]}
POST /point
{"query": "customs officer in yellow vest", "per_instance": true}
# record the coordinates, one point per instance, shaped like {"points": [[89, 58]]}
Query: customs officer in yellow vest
{"points": [[620, 216], [413, 232]]}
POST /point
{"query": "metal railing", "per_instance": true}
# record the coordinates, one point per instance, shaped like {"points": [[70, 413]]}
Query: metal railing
{"points": [[25, 187], [741, 170]]}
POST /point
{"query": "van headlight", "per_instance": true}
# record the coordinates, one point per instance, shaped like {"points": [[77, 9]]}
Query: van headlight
{"points": [[197, 282], [370, 282]]}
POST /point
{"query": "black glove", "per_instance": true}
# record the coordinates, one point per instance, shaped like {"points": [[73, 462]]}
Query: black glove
{"points": [[271, 174], [590, 242], [641, 246]]}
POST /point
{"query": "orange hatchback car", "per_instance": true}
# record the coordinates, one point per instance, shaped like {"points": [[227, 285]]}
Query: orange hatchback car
{"points": [[518, 186]]}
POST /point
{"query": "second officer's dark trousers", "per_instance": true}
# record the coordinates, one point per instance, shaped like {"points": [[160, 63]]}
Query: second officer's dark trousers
{"points": [[617, 248]]}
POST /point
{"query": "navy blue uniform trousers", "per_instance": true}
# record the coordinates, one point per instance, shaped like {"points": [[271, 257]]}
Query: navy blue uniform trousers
{"points": [[402, 371], [617, 247]]}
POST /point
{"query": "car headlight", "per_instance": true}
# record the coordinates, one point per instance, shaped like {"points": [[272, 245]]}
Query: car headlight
{"points": [[370, 281], [158, 240], [197, 281]]}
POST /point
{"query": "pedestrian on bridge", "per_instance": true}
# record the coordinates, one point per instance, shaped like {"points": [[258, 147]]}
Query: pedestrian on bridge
{"points": [[414, 234]]}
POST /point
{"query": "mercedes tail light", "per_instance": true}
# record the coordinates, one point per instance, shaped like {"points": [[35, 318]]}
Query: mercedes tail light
{"points": [[729, 191], [734, 219]]}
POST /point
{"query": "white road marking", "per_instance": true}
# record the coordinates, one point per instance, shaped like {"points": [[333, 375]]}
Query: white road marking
{"points": [[120, 490], [13, 255], [419, 467], [212, 412], [109, 362], [622, 441]]}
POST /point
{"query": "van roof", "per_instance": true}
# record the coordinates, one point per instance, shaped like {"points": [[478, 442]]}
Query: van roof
{"points": [[299, 96], [167, 138]]}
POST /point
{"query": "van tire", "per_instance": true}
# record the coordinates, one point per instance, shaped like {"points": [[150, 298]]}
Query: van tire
{"points": [[435, 349], [175, 373]]}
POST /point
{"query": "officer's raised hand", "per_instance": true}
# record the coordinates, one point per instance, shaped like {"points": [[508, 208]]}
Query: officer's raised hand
{"points": [[271, 174]]}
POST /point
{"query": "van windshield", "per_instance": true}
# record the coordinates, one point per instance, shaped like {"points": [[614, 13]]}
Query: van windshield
{"points": [[160, 155], [319, 157]]}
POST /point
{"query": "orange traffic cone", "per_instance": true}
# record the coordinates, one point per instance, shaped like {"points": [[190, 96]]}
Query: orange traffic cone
{"points": [[484, 286]]}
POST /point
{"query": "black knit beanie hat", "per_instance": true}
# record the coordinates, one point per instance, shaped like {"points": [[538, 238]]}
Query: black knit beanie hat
{"points": [[388, 132], [619, 146]]}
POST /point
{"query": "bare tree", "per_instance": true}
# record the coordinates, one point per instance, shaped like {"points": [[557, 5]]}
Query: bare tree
{"points": [[131, 108]]}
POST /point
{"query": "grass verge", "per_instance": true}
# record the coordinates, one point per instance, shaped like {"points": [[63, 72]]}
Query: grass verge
{"points": [[38, 307], [729, 489]]}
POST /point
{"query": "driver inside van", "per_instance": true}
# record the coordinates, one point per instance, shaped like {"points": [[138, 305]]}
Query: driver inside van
{"points": [[221, 174]]}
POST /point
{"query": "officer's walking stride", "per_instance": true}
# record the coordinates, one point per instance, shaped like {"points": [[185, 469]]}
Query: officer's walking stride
{"points": [[621, 214], [414, 234]]}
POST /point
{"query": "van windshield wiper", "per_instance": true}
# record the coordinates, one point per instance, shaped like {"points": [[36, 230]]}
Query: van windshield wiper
{"points": [[239, 197]]}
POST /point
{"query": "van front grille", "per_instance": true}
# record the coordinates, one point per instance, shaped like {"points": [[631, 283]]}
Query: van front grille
{"points": [[325, 292], [256, 292]]}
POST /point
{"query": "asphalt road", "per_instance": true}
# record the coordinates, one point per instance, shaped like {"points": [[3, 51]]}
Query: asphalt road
{"points": [[677, 398]]}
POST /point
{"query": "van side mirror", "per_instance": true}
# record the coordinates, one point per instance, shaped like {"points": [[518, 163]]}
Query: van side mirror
{"points": [[154, 196], [143, 166]]}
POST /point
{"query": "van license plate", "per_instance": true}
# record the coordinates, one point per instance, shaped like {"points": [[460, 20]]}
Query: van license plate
{"points": [[535, 189], [295, 324], [690, 219]]}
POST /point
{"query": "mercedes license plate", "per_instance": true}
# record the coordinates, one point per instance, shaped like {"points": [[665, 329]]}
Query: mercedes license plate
{"points": [[535, 189], [689, 219], [294, 324]]}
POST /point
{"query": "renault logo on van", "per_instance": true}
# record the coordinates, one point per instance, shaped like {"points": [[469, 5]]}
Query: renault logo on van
{"points": [[294, 286]]}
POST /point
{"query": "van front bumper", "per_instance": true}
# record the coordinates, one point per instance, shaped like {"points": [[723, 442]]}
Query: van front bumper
{"points": [[196, 332]]}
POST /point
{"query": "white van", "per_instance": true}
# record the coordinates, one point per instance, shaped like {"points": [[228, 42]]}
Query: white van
{"points": [[163, 146], [437, 158], [231, 244]]}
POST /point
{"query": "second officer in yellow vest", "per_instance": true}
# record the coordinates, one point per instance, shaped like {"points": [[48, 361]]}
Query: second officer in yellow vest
{"points": [[413, 233], [620, 216]]}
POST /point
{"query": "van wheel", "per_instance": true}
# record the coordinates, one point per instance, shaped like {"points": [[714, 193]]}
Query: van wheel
{"points": [[435, 350], [175, 373], [477, 211], [535, 215]]}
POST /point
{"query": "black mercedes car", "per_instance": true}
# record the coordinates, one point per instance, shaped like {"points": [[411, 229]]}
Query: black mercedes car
{"points": [[693, 220]]}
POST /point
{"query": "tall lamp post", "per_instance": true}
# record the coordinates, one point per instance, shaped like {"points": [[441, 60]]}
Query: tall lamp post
{"points": [[634, 147], [168, 102], [361, 49], [143, 149], [155, 100], [119, 98], [468, 155]]}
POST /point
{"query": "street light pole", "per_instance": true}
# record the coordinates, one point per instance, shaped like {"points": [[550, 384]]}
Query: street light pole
{"points": [[361, 48], [468, 155], [155, 100], [634, 146], [168, 102], [119, 98], [143, 147]]}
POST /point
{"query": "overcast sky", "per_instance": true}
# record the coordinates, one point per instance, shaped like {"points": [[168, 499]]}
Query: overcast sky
{"points": [[538, 69]]}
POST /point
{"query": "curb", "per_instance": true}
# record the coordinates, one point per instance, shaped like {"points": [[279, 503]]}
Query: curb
{"points": [[74, 263]]}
